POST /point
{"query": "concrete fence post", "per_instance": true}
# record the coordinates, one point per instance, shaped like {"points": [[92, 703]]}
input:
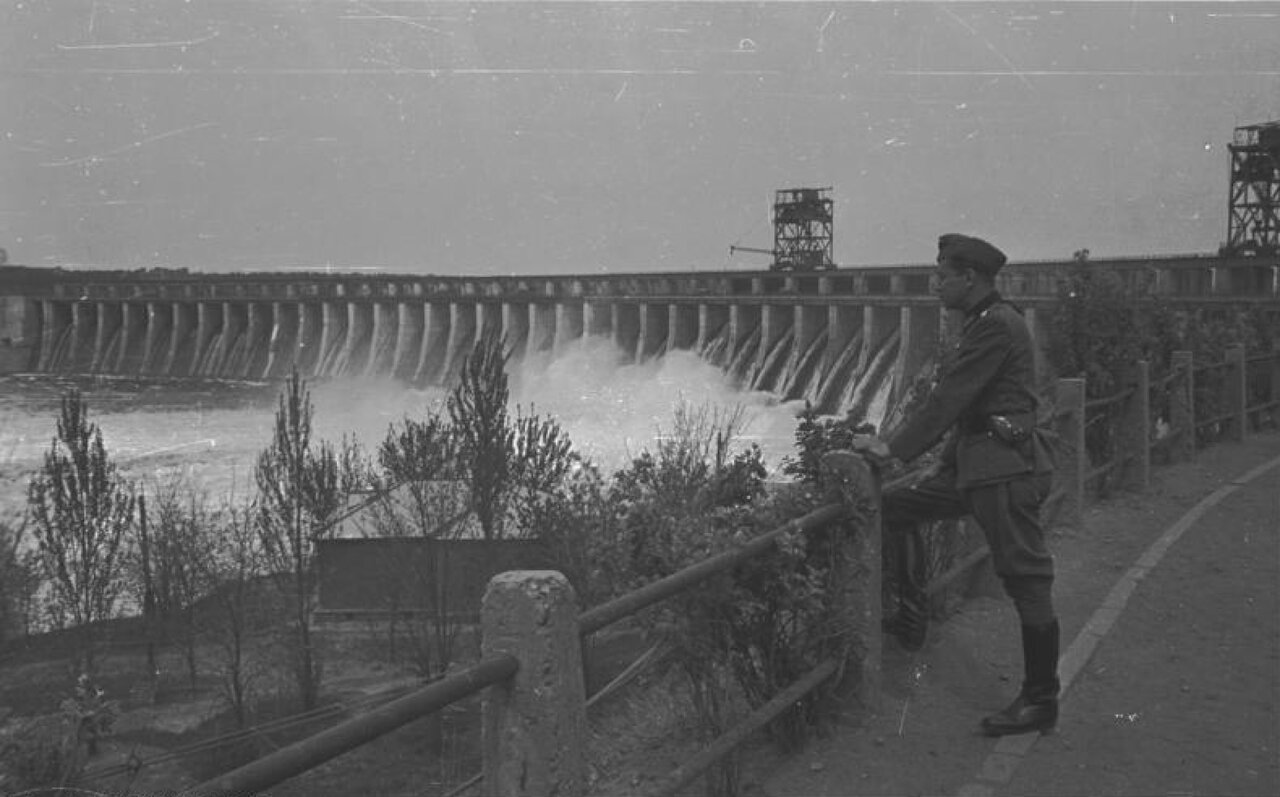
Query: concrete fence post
{"points": [[1236, 392], [858, 574], [535, 726], [1182, 407], [1136, 429], [1074, 462]]}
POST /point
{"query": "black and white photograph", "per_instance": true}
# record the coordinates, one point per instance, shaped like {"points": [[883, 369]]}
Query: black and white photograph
{"points": [[637, 398]]}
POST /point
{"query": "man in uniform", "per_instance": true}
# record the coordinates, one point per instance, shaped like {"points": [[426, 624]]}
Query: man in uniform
{"points": [[994, 468]]}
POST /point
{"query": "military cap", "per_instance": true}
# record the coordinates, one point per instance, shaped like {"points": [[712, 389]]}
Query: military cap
{"points": [[970, 252]]}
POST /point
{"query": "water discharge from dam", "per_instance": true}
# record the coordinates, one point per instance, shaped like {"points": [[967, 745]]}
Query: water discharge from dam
{"points": [[611, 406]]}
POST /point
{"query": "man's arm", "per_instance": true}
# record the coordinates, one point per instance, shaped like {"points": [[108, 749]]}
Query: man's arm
{"points": [[978, 360]]}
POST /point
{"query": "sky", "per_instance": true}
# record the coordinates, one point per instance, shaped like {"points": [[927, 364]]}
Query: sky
{"points": [[530, 138]]}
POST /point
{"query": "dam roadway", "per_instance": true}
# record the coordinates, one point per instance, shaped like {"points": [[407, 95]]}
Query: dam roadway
{"points": [[811, 335]]}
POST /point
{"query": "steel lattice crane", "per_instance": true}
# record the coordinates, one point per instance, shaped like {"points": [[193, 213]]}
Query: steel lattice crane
{"points": [[802, 239]]}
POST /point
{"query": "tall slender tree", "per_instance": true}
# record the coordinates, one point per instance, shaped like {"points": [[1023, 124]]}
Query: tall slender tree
{"points": [[482, 429], [82, 511], [301, 490]]}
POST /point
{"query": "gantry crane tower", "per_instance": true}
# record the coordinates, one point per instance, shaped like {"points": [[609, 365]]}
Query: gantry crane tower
{"points": [[1253, 223], [802, 238]]}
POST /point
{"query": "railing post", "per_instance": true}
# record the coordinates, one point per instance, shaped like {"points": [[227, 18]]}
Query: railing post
{"points": [[1075, 459], [1182, 408], [1237, 393], [1137, 429], [535, 726], [858, 573]]}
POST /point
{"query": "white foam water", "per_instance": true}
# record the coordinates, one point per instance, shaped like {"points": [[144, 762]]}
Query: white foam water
{"points": [[611, 410]]}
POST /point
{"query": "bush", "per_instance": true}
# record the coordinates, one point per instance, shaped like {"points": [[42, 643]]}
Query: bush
{"points": [[739, 638], [36, 754]]}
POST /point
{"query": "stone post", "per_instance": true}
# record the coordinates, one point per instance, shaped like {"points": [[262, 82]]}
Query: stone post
{"points": [[1182, 409], [1136, 430], [535, 726], [1236, 392], [858, 572], [1074, 462]]}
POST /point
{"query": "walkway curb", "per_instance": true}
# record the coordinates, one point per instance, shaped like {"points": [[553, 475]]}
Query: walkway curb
{"points": [[1000, 765]]}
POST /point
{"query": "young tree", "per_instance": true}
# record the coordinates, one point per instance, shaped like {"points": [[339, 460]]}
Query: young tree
{"points": [[82, 512], [482, 429], [233, 565], [175, 576], [420, 499], [301, 489], [507, 464]]}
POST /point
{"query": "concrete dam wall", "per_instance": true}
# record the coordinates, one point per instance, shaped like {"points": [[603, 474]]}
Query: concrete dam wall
{"points": [[842, 339]]}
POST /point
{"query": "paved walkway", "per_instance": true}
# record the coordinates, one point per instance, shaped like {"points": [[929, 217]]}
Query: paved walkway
{"points": [[1171, 648]]}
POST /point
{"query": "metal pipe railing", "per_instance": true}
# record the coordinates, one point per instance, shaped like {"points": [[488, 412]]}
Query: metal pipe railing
{"points": [[725, 744], [608, 613], [297, 758]]}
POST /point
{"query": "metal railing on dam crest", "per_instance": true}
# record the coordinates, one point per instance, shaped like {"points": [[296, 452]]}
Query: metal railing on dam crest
{"points": [[811, 335]]}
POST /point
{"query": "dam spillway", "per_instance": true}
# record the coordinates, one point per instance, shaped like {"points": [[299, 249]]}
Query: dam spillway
{"points": [[831, 337]]}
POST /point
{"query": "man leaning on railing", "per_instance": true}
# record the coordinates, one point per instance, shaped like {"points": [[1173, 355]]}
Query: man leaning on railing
{"points": [[995, 467]]}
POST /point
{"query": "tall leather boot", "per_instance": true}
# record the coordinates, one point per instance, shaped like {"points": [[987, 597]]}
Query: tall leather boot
{"points": [[1036, 706]]}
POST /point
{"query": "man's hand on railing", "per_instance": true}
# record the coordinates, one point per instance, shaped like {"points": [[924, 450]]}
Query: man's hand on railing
{"points": [[869, 448], [872, 447]]}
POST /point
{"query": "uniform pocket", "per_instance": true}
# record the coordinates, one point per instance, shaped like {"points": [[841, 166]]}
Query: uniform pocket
{"points": [[982, 458]]}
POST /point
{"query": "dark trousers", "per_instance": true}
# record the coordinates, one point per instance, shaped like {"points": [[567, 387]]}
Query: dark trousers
{"points": [[1009, 514]]}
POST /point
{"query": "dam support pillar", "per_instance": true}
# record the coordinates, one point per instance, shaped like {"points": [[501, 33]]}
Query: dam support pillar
{"points": [[542, 327], [333, 334], [712, 321], [568, 325], [489, 322], [310, 348], [408, 339], [515, 328], [109, 314], [744, 338], [208, 328], [653, 331], [917, 343], [55, 323], [597, 320], [258, 335], [626, 328], [231, 345], [382, 341], [182, 340], [283, 347], [158, 332], [462, 337], [879, 322], [682, 326], [133, 338], [435, 336], [808, 323]]}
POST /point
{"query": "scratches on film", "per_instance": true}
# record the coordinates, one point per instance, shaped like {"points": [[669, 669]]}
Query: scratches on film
{"points": [[822, 29], [140, 45], [987, 43], [128, 147]]}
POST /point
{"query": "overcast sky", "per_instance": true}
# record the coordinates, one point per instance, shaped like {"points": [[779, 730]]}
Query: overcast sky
{"points": [[491, 138]]}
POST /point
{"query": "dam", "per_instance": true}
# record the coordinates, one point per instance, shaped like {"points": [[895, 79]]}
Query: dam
{"points": [[813, 335]]}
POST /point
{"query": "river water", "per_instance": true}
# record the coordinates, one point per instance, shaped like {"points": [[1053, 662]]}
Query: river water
{"points": [[213, 432]]}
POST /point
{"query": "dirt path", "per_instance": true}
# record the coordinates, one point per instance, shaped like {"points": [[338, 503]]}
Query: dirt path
{"points": [[1189, 623], [1180, 698]]}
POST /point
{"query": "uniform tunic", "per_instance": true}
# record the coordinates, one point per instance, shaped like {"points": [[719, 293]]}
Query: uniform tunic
{"points": [[1001, 483]]}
